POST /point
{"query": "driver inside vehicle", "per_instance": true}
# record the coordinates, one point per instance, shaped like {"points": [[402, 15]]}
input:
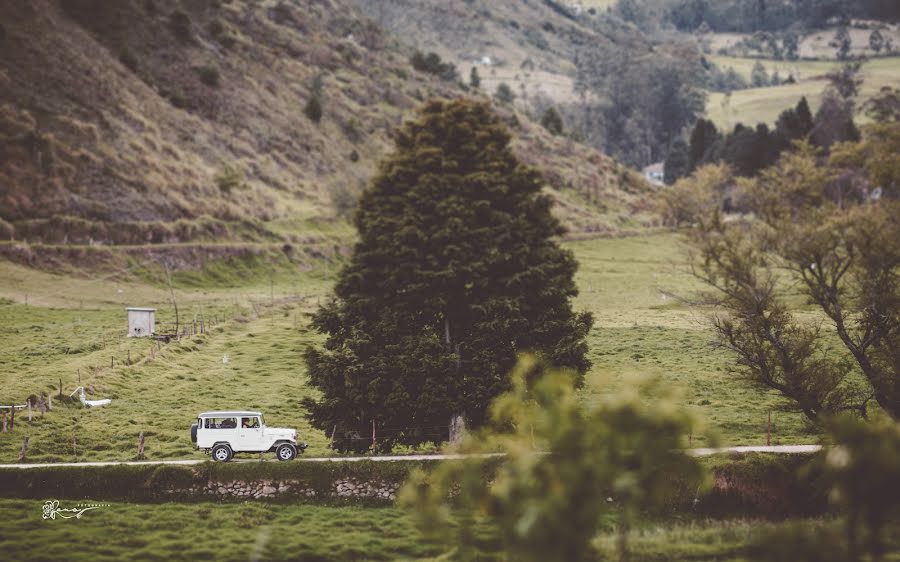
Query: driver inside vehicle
{"points": [[250, 423]]}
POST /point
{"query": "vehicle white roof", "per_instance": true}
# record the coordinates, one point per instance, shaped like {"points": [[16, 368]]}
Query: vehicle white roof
{"points": [[229, 414]]}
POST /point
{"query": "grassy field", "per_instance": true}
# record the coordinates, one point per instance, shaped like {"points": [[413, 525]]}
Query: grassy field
{"points": [[260, 531], [629, 284], [763, 105]]}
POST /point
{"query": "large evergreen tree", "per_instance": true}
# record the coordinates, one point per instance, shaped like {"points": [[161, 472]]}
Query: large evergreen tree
{"points": [[455, 272], [703, 140]]}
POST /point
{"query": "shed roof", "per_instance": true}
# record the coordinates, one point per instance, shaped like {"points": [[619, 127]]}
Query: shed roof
{"points": [[130, 309]]}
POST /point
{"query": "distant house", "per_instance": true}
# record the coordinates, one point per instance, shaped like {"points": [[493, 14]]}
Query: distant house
{"points": [[141, 322], [655, 173]]}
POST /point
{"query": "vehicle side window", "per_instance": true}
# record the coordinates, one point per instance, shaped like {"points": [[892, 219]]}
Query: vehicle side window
{"points": [[221, 423], [250, 423]]}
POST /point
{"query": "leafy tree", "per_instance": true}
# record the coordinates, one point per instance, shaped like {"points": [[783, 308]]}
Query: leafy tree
{"points": [[703, 140], [834, 121], [758, 76], [313, 107], [455, 272], [181, 26], [725, 81], [640, 104], [791, 44], [842, 42], [690, 199], [793, 124], [846, 81], [884, 106], [474, 78], [677, 162], [816, 223], [504, 94], [562, 462], [748, 150], [433, 64], [876, 41], [552, 121]]}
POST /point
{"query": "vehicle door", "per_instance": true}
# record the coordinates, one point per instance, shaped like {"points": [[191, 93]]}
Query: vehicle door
{"points": [[250, 434], [222, 429]]}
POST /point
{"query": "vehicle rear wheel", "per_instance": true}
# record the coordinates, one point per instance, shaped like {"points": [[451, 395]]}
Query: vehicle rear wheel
{"points": [[286, 452], [222, 453]]}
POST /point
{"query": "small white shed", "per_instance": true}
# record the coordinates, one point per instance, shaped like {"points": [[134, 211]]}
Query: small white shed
{"points": [[141, 322]]}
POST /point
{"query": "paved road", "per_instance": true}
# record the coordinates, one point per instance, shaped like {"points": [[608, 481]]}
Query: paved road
{"points": [[779, 449]]}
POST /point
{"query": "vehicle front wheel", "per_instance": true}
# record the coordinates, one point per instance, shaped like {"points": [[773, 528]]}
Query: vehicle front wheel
{"points": [[222, 453], [286, 452]]}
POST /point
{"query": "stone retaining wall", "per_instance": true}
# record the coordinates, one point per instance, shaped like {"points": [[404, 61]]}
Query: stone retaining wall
{"points": [[267, 489]]}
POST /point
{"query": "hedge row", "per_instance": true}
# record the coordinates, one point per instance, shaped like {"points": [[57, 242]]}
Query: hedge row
{"points": [[771, 486]]}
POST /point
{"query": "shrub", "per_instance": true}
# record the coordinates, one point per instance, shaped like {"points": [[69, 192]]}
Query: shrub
{"points": [[128, 59], [230, 178], [504, 93], [352, 130], [432, 64], [313, 108], [180, 24], [216, 28], [209, 75], [552, 121], [177, 99]]}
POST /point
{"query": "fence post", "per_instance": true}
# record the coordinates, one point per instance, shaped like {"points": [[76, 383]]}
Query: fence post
{"points": [[373, 433], [74, 445], [129, 357], [112, 361], [4, 421], [330, 444], [12, 417], [28, 402], [50, 402], [60, 384], [457, 428], [769, 430], [24, 450], [140, 452]]}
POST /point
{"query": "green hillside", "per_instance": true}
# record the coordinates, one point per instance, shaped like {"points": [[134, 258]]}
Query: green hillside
{"points": [[763, 105], [71, 326]]}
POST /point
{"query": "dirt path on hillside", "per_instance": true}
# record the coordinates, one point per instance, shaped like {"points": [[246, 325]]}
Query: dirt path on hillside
{"points": [[775, 449]]}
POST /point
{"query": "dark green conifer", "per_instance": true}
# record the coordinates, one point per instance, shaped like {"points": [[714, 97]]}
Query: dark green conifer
{"points": [[455, 273]]}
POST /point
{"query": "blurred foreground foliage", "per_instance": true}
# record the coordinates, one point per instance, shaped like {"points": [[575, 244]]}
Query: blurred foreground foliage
{"points": [[567, 468]]}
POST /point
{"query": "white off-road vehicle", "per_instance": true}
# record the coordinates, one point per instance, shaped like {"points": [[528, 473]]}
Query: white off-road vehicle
{"points": [[229, 432]]}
